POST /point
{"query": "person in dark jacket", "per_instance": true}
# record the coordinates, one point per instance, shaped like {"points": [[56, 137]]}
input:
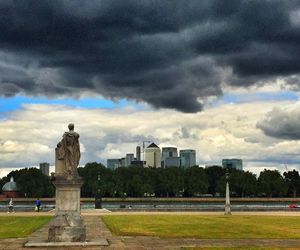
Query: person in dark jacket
{"points": [[38, 204]]}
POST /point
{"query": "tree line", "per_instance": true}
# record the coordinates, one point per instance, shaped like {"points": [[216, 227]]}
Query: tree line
{"points": [[136, 181]]}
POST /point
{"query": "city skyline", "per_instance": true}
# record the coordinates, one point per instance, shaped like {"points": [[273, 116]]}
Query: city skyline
{"points": [[225, 81]]}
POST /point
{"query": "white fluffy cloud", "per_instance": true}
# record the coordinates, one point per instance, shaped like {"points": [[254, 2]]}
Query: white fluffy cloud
{"points": [[29, 136]]}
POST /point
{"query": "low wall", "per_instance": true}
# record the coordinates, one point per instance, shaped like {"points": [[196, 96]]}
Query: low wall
{"points": [[165, 199]]}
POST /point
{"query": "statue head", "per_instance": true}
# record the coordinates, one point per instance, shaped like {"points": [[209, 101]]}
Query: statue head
{"points": [[71, 126]]}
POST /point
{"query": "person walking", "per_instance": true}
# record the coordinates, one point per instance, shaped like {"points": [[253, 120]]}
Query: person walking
{"points": [[38, 204], [11, 206]]}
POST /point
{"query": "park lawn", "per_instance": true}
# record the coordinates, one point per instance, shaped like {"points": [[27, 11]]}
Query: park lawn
{"points": [[18, 227], [205, 226]]}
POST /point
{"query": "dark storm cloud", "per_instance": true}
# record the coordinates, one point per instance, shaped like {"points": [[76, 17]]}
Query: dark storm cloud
{"points": [[281, 124], [170, 54]]}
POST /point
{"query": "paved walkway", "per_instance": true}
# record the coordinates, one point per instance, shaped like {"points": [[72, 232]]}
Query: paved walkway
{"points": [[93, 212], [97, 229]]}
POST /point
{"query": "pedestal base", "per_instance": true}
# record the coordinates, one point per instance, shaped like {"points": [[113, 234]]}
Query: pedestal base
{"points": [[67, 226]]}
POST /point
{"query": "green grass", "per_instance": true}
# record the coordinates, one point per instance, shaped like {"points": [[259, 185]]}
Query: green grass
{"points": [[18, 227], [205, 226]]}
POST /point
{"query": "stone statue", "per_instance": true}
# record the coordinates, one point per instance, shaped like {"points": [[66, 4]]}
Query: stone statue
{"points": [[67, 225], [67, 154]]}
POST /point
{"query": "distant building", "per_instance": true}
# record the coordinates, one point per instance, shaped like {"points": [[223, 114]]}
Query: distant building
{"points": [[44, 167], [169, 157], [138, 153], [171, 162], [232, 163], [123, 162], [187, 158], [10, 189], [211, 166], [128, 159], [138, 163], [113, 163], [167, 152], [153, 158]]}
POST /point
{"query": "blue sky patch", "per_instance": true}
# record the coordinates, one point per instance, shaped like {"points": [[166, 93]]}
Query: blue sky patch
{"points": [[15, 103], [260, 96]]}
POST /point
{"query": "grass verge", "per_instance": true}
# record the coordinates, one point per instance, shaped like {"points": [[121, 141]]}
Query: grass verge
{"points": [[18, 227], [205, 226]]}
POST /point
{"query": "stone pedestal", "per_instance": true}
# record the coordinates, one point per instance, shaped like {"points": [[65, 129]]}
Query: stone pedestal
{"points": [[227, 201], [67, 225]]}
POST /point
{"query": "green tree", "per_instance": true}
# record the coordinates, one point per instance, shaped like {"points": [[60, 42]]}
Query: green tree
{"points": [[173, 180], [196, 181], [33, 183], [160, 186], [214, 175], [89, 174], [271, 183], [135, 186], [221, 186], [292, 180], [242, 183], [3, 180]]}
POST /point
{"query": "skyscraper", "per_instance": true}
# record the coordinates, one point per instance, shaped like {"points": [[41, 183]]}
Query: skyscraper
{"points": [[169, 157], [232, 163], [138, 153], [168, 152], [44, 167], [113, 163], [128, 159], [153, 158], [187, 158]]}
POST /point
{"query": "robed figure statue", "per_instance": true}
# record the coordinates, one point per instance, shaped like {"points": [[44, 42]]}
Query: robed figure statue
{"points": [[68, 155], [67, 225]]}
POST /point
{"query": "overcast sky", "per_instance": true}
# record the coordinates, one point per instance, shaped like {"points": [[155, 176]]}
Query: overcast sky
{"points": [[221, 77]]}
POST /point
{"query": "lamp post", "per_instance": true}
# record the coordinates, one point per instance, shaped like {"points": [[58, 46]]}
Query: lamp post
{"points": [[227, 201], [98, 198]]}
